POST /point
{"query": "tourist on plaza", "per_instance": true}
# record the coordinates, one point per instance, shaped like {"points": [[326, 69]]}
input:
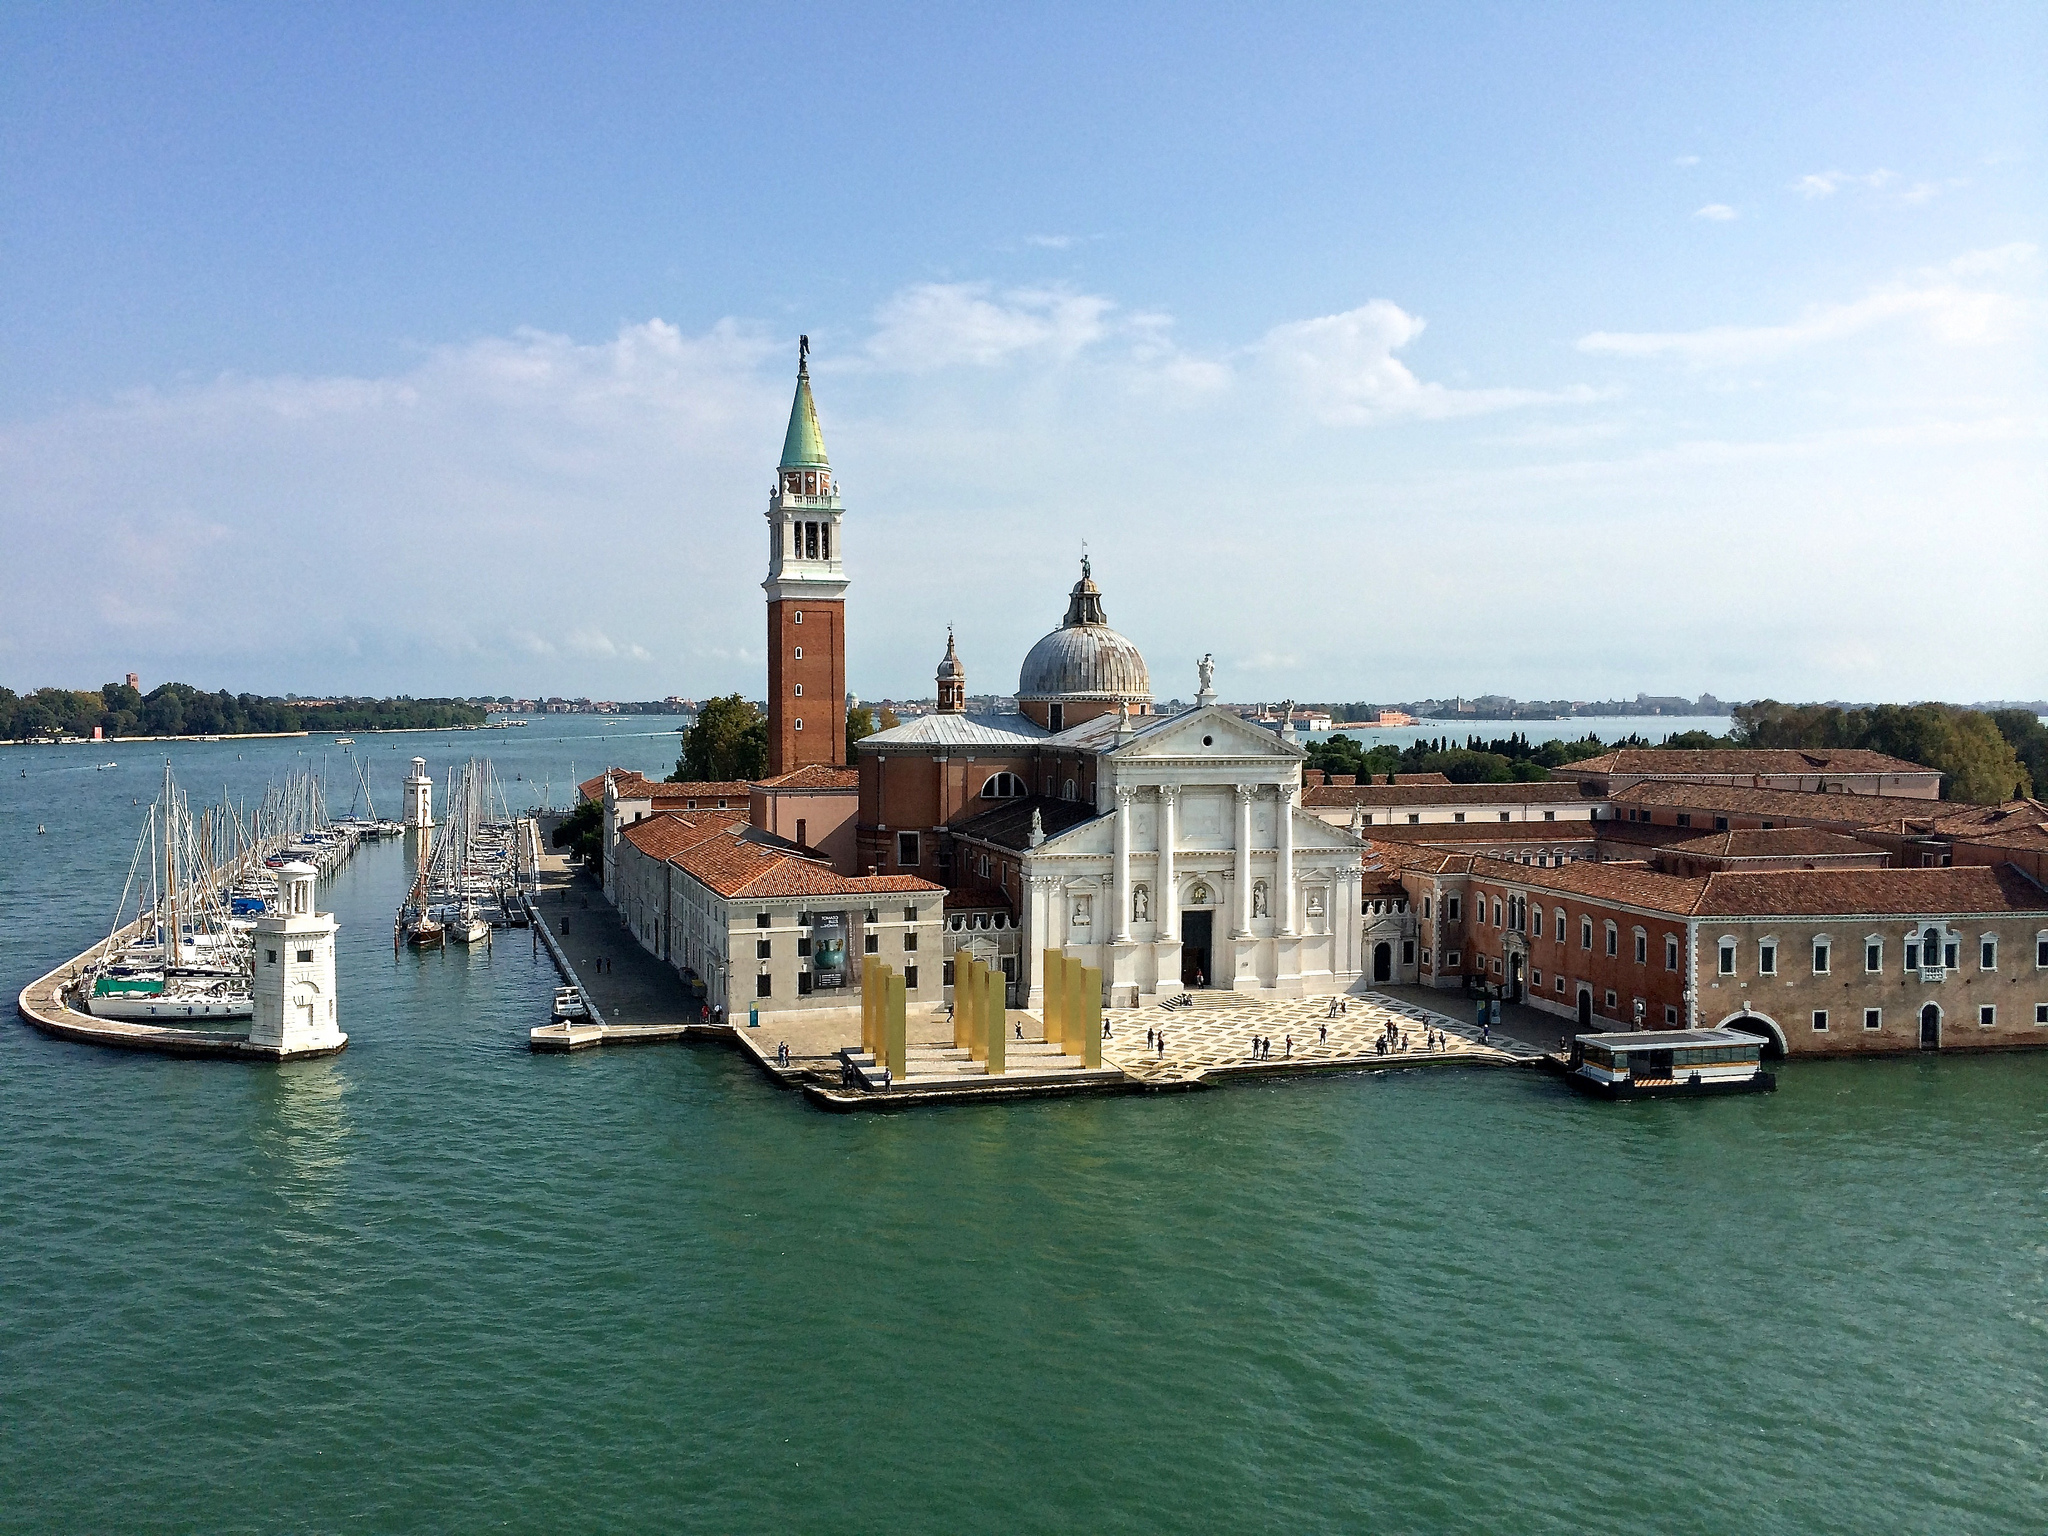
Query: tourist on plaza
{"points": [[1290, 1046], [1162, 1042], [1020, 1029], [1148, 1034], [1323, 1033]]}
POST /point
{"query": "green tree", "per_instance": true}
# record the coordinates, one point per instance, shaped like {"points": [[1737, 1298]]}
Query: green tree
{"points": [[2029, 740], [582, 831], [860, 722], [728, 743]]}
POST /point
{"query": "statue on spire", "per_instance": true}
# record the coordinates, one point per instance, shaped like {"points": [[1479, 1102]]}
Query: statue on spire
{"points": [[803, 355]]}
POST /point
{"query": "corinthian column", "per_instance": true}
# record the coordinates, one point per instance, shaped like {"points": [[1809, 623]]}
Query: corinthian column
{"points": [[1120, 930], [1285, 876], [1243, 925], [1165, 905]]}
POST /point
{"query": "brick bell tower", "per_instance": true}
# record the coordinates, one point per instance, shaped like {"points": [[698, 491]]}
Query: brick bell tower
{"points": [[806, 589]]}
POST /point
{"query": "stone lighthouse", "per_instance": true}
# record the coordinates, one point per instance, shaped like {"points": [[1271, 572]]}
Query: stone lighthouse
{"points": [[419, 796], [296, 1013]]}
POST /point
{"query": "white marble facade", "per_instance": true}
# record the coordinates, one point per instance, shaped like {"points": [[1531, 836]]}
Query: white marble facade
{"points": [[1203, 830]]}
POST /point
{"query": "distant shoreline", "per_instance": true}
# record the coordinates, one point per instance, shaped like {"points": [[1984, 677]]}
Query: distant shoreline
{"points": [[365, 730]]}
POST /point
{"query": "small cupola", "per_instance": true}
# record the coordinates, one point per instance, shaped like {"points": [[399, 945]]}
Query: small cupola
{"points": [[952, 680]]}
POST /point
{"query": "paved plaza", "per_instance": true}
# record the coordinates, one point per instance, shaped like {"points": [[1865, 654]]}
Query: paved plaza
{"points": [[1213, 1030]]}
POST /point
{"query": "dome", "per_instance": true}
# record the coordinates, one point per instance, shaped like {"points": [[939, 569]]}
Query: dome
{"points": [[1084, 658]]}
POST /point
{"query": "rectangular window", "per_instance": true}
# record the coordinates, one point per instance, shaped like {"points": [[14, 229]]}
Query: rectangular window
{"points": [[1767, 959], [1820, 957], [1453, 959], [1550, 815], [803, 946], [1613, 940], [1536, 921], [270, 957], [1496, 912], [946, 973], [1720, 823], [1610, 1000], [1425, 958], [1425, 906], [2041, 954], [1558, 981], [910, 914], [910, 939], [1685, 818], [764, 985], [1457, 816], [1948, 954], [804, 983], [872, 943], [1987, 1015], [906, 850], [2041, 1013], [1670, 953], [910, 977], [1536, 980], [1407, 951], [764, 949], [1642, 949], [305, 957], [1585, 933], [1503, 815], [1873, 957], [1451, 908], [1670, 1016], [1727, 959], [1873, 1018], [1820, 1021], [1912, 957], [1987, 955]]}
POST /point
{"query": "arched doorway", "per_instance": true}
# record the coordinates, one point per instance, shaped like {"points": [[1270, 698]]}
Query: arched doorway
{"points": [[1585, 1007], [1764, 1028], [1514, 978], [1930, 1027], [1383, 962]]}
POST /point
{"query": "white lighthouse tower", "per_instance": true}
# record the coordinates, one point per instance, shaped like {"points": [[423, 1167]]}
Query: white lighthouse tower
{"points": [[419, 796], [296, 1012]]}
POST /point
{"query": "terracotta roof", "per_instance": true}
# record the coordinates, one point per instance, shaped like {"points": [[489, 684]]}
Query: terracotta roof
{"points": [[633, 785], [1964, 890], [1640, 833], [1629, 883], [665, 835], [1420, 778], [1776, 843], [2015, 824], [1537, 792], [1742, 760], [1798, 805], [737, 867], [814, 776]]}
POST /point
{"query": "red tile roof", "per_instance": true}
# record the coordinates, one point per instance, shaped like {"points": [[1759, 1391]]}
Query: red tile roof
{"points": [[632, 785], [736, 869], [1832, 809], [814, 776], [2015, 824], [1741, 760], [1965, 890], [668, 833], [1537, 792], [1776, 843]]}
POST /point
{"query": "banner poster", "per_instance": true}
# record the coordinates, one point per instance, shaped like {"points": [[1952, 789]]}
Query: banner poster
{"points": [[828, 949]]}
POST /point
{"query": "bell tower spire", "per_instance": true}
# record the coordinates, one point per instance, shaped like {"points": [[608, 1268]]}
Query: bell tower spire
{"points": [[806, 589]]}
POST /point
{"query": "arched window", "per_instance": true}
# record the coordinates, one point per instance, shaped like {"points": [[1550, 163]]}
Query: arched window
{"points": [[1068, 792], [1002, 786]]}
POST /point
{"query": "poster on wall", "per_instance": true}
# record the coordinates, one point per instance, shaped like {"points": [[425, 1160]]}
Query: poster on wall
{"points": [[828, 949]]}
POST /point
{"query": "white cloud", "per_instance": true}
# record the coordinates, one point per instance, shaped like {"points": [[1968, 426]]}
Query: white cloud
{"points": [[1686, 160], [944, 325], [1718, 213], [1828, 183], [1945, 311]]}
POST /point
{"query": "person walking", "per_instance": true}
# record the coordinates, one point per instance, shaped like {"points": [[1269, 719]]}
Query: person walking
{"points": [[1162, 1042], [1290, 1045], [1020, 1029], [1323, 1033]]}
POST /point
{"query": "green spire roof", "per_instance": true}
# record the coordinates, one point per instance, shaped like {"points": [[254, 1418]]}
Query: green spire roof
{"points": [[803, 446]]}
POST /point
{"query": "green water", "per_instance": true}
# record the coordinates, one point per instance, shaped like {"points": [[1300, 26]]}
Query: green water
{"points": [[440, 1284]]}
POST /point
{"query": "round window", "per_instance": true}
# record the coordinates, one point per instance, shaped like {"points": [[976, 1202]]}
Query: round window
{"points": [[1208, 741]]}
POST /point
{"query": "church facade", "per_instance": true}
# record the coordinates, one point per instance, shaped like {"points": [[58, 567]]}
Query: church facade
{"points": [[1170, 850]]}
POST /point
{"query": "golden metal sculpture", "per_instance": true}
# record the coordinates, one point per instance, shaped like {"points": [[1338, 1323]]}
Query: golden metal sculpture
{"points": [[999, 1020], [1055, 994], [1072, 1010], [1091, 1015], [897, 1043]]}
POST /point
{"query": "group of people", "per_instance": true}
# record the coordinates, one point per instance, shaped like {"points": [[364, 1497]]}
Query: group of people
{"points": [[1156, 1038], [1262, 1048]]}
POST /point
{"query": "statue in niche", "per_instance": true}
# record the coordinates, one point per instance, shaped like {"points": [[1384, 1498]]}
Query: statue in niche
{"points": [[1315, 902], [1141, 905], [1258, 898], [1199, 896], [1081, 911]]}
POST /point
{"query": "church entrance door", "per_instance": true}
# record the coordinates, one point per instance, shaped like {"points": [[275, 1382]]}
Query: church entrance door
{"points": [[1195, 929]]}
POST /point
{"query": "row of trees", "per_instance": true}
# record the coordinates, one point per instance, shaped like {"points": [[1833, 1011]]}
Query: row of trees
{"points": [[729, 742], [1504, 760], [178, 709]]}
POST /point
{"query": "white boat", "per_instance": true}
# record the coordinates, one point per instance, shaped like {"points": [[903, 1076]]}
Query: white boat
{"points": [[569, 1004], [174, 1005], [465, 927]]}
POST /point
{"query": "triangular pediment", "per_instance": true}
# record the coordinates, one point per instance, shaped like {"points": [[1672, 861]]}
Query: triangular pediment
{"points": [[1182, 736]]}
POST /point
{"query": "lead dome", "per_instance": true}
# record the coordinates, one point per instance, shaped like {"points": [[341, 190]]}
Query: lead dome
{"points": [[1084, 662]]}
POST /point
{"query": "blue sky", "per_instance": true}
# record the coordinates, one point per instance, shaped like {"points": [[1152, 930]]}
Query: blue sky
{"points": [[1560, 351]]}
